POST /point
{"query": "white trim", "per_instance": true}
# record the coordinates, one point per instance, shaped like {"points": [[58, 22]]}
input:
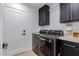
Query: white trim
{"points": [[11, 52], [14, 52], [14, 8], [15, 12], [2, 13]]}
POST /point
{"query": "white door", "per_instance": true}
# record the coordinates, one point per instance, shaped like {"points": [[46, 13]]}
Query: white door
{"points": [[14, 25], [0, 29], [0, 33]]}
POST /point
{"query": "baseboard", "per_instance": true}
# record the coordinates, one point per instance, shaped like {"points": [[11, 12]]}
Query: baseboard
{"points": [[14, 52]]}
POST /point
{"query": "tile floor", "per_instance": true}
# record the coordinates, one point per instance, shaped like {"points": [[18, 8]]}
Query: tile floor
{"points": [[27, 53]]}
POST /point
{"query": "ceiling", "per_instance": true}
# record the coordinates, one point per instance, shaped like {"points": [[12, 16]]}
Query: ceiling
{"points": [[36, 5]]}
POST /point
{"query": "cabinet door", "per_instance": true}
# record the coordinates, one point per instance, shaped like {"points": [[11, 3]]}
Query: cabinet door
{"points": [[47, 14], [35, 43], [41, 16], [64, 12], [75, 12], [44, 15], [13, 25], [69, 48]]}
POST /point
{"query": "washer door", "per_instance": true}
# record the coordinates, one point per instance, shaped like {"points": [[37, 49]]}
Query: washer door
{"points": [[46, 47]]}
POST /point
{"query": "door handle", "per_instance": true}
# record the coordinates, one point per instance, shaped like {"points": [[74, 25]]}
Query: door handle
{"points": [[50, 41], [23, 34], [42, 39], [69, 45]]}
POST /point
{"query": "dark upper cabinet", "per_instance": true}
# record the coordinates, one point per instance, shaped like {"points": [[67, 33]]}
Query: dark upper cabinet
{"points": [[75, 11], [44, 15], [64, 12], [69, 12]]}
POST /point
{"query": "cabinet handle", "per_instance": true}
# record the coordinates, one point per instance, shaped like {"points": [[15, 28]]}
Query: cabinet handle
{"points": [[69, 45], [42, 39]]}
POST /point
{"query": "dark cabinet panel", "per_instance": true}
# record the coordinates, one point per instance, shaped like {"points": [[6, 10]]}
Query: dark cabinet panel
{"points": [[44, 15], [35, 43], [75, 11], [69, 12], [64, 12], [46, 47], [69, 48]]}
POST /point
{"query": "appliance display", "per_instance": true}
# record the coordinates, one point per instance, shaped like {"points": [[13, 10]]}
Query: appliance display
{"points": [[69, 48]]}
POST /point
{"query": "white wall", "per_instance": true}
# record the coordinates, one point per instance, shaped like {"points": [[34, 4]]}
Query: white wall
{"points": [[32, 21], [55, 19], [32, 18], [0, 28]]}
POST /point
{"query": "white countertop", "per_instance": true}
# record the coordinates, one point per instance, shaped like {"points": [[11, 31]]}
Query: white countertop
{"points": [[70, 38], [66, 38]]}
